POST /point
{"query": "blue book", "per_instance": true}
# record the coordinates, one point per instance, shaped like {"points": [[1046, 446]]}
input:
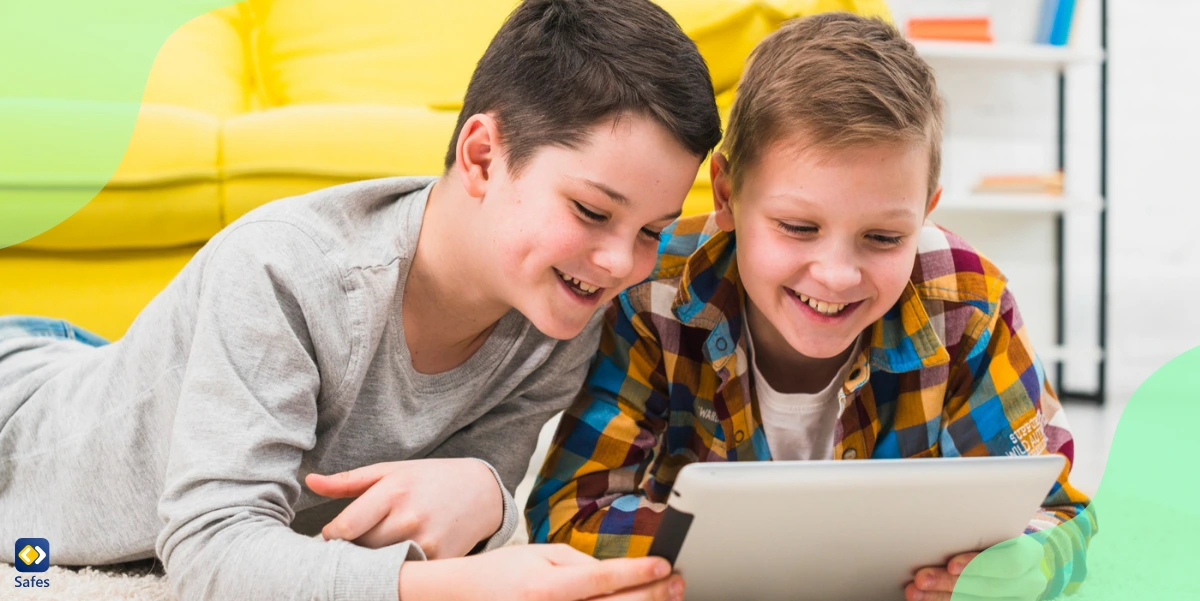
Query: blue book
{"points": [[1060, 33], [1045, 25]]}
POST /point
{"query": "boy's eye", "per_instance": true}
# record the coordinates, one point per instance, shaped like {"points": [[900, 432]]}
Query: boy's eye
{"points": [[651, 234], [589, 214], [888, 241], [797, 229]]}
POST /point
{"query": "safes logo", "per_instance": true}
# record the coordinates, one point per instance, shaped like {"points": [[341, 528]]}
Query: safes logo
{"points": [[33, 555]]}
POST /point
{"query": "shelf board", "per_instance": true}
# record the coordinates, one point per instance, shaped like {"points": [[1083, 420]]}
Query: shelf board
{"points": [[1019, 203], [1054, 354], [1021, 54]]}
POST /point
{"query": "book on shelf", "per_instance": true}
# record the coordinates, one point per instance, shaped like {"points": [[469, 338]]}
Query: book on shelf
{"points": [[1020, 183], [954, 29], [1054, 22]]}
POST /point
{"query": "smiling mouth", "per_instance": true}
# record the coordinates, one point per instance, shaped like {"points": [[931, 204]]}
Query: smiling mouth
{"points": [[822, 307], [578, 286]]}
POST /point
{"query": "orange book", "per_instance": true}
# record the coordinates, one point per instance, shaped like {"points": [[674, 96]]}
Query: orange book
{"points": [[957, 29], [1049, 183]]}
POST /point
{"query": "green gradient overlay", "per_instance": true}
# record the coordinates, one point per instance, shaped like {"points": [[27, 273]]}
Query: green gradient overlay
{"points": [[71, 82], [1146, 506]]}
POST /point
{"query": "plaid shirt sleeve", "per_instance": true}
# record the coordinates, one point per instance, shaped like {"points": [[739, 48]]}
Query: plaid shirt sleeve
{"points": [[588, 493], [1005, 406]]}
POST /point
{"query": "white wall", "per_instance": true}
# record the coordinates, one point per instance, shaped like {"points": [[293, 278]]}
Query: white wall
{"points": [[1002, 119], [1154, 162]]}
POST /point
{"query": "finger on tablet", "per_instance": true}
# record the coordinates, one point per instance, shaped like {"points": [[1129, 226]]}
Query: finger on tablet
{"points": [[1008, 559], [670, 589], [611, 575]]}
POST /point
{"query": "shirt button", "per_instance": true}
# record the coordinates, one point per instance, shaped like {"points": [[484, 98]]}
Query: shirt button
{"points": [[739, 436], [850, 454], [722, 344]]}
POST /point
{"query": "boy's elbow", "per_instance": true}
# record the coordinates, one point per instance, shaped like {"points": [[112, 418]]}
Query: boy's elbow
{"points": [[191, 581]]}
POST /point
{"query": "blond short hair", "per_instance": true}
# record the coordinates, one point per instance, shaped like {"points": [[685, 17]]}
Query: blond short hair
{"points": [[840, 81]]}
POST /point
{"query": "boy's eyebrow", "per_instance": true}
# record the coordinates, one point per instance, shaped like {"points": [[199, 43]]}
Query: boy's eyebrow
{"points": [[896, 212], [899, 212], [616, 197], [620, 199], [671, 216]]}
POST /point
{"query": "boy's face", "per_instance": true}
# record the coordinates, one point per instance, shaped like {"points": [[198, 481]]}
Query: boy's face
{"points": [[577, 226], [826, 239]]}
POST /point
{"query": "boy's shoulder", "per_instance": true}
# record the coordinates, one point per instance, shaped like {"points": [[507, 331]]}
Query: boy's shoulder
{"points": [[676, 249], [679, 242], [950, 269], [360, 223]]}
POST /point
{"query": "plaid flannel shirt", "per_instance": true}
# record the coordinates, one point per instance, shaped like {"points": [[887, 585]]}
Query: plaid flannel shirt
{"points": [[949, 371]]}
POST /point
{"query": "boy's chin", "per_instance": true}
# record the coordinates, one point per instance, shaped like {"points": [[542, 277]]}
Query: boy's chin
{"points": [[823, 348], [557, 327]]}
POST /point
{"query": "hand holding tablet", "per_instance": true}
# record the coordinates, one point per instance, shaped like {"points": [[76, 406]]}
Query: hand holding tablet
{"points": [[850, 530]]}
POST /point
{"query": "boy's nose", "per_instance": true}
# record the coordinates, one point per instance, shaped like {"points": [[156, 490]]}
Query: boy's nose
{"points": [[836, 275], [615, 258]]}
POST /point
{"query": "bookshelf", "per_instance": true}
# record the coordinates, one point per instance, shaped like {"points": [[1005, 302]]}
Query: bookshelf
{"points": [[1021, 55], [1025, 203], [1050, 100]]}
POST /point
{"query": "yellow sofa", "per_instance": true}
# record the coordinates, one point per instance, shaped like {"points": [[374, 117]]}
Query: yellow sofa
{"points": [[271, 98]]}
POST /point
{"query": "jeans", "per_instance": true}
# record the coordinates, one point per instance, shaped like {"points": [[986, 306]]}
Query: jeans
{"points": [[16, 326]]}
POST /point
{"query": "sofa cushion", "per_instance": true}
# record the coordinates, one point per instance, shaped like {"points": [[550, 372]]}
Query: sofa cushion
{"points": [[423, 53], [296, 149], [397, 52], [725, 31], [799, 8], [165, 191], [203, 65]]}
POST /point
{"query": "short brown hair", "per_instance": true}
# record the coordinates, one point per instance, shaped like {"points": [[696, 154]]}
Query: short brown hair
{"points": [[842, 81], [558, 67]]}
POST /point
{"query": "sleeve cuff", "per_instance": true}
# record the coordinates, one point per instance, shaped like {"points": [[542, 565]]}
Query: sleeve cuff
{"points": [[508, 523], [363, 574]]}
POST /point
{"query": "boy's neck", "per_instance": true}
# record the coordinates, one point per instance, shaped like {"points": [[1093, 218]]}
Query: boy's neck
{"points": [[446, 308], [786, 369]]}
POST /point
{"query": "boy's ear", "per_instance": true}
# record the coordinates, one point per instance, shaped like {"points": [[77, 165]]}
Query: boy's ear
{"points": [[933, 202], [722, 189], [477, 150]]}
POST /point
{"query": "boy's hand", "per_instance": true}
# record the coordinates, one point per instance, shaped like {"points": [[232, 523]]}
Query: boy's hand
{"points": [[445, 505], [539, 573], [1011, 570]]}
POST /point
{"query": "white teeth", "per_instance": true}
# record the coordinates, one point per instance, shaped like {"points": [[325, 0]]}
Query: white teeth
{"points": [[822, 307], [584, 288]]}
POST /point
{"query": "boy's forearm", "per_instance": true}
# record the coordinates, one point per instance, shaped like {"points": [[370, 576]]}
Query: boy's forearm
{"points": [[424, 581]]}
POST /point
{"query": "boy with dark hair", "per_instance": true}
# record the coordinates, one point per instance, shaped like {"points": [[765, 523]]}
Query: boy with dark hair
{"points": [[815, 315], [389, 332]]}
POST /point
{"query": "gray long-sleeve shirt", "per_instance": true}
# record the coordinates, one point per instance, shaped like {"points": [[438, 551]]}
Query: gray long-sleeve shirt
{"points": [[278, 351]]}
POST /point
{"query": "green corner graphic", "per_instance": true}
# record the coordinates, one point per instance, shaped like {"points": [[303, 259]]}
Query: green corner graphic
{"points": [[1149, 521], [71, 84]]}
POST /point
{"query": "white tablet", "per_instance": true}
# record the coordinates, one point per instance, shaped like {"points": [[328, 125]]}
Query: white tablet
{"points": [[840, 530]]}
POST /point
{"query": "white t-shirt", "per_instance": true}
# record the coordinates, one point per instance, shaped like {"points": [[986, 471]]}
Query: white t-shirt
{"points": [[798, 426]]}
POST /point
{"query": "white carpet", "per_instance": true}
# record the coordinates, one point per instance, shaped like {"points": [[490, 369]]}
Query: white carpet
{"points": [[131, 582], [137, 583], [143, 581]]}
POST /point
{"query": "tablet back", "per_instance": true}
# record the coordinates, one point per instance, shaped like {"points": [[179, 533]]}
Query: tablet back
{"points": [[841, 530]]}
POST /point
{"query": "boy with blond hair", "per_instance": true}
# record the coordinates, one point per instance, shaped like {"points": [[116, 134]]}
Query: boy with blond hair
{"points": [[393, 333], [816, 314]]}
